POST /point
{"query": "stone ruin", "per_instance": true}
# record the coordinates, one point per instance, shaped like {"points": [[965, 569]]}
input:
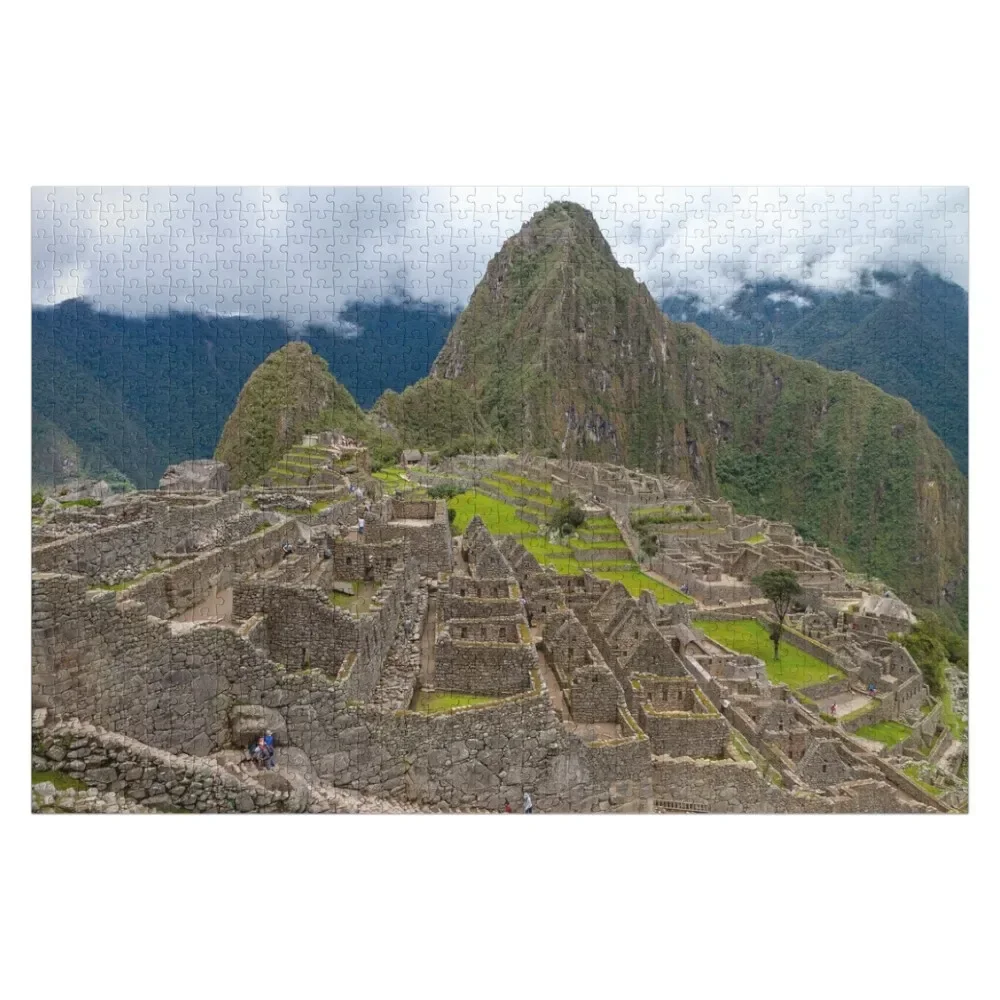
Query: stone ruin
{"points": [[409, 670]]}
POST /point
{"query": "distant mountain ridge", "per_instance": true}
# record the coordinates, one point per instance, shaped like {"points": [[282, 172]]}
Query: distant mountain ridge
{"points": [[906, 333], [126, 396]]}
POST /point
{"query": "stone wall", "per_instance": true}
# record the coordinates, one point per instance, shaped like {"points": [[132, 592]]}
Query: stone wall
{"points": [[739, 787], [485, 668], [594, 694], [110, 762], [410, 509], [175, 687], [122, 550], [362, 560], [482, 756], [302, 629], [453, 606], [684, 734], [429, 542]]}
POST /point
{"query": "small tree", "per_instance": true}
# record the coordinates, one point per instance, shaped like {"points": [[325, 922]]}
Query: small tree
{"points": [[566, 513], [780, 587]]}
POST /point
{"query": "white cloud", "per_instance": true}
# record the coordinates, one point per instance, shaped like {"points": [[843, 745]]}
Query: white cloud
{"points": [[302, 253]]}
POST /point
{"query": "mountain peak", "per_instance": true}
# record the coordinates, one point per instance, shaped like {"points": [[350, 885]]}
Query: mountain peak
{"points": [[562, 222]]}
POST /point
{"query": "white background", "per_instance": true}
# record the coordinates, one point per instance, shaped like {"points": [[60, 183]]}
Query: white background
{"points": [[490, 94]]}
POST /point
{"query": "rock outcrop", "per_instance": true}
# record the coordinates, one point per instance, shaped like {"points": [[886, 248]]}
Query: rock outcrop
{"points": [[196, 475]]}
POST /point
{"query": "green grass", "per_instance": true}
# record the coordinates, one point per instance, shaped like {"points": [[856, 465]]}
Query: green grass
{"points": [[499, 517], [756, 539], [858, 712], [676, 508], [889, 733], [83, 502], [635, 582], [60, 779], [577, 543], [601, 524], [510, 490], [534, 484], [912, 771], [391, 475], [949, 717], [795, 668], [502, 519], [431, 702]]}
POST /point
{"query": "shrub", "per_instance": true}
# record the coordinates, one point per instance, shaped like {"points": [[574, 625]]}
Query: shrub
{"points": [[37, 498], [444, 491], [566, 512], [452, 513], [384, 452]]}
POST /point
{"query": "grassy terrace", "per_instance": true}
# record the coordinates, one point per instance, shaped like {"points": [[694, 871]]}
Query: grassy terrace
{"points": [[889, 733], [392, 477], [503, 519], [795, 668], [61, 780], [442, 701]]}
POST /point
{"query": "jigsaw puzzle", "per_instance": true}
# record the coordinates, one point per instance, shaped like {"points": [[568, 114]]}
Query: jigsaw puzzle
{"points": [[526, 500]]}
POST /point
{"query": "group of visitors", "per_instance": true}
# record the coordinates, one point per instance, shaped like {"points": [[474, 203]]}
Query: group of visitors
{"points": [[529, 806], [261, 751]]}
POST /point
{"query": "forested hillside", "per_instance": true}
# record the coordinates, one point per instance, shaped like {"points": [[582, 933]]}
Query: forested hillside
{"points": [[133, 394], [906, 333]]}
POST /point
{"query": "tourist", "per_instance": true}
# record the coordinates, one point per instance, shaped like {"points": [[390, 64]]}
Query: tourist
{"points": [[506, 806], [263, 755], [528, 806], [361, 527], [286, 549], [327, 554]]}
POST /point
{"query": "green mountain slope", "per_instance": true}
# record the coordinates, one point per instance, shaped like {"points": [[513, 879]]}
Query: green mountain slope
{"points": [[908, 334], [562, 351], [81, 425], [289, 394]]}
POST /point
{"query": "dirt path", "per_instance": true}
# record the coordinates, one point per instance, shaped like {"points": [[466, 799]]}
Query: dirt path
{"points": [[552, 683]]}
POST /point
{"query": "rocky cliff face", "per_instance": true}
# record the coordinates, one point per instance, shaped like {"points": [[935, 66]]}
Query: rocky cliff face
{"points": [[563, 351]]}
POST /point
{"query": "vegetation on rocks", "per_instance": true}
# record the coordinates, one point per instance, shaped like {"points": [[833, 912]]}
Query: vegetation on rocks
{"points": [[933, 647], [290, 394]]}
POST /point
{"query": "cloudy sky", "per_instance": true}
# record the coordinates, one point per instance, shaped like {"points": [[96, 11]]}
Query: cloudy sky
{"points": [[302, 253]]}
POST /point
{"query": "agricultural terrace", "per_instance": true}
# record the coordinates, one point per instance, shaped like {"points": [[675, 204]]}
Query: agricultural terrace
{"points": [[601, 533], [796, 668], [392, 478]]}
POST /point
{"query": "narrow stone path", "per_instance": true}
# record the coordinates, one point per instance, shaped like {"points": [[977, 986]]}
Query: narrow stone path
{"points": [[552, 683], [427, 642]]}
